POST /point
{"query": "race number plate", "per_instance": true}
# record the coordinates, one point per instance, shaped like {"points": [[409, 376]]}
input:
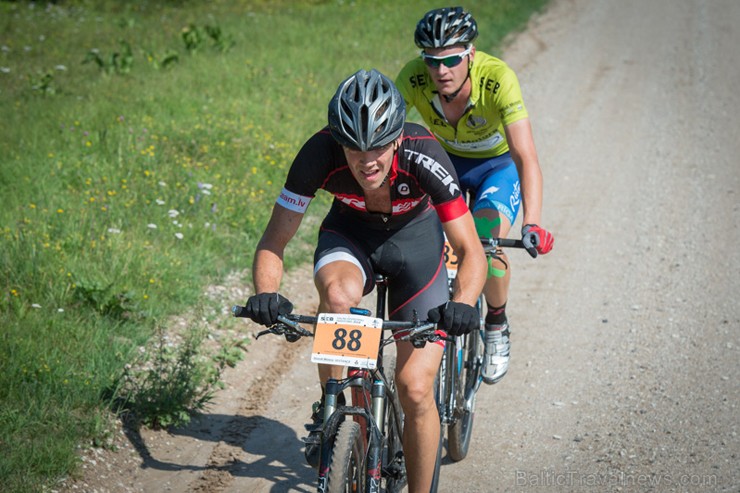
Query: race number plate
{"points": [[451, 261], [347, 340]]}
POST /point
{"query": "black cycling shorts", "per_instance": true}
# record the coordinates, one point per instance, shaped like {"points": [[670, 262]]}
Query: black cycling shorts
{"points": [[411, 258]]}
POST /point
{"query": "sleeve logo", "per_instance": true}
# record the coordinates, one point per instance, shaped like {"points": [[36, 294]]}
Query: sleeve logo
{"points": [[293, 201]]}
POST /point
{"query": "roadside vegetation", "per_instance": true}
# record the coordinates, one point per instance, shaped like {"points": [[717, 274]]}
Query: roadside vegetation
{"points": [[142, 145]]}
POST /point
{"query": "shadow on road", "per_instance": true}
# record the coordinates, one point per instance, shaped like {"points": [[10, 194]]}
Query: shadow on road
{"points": [[275, 453]]}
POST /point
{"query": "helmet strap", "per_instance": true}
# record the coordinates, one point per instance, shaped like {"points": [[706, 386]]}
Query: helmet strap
{"points": [[395, 150]]}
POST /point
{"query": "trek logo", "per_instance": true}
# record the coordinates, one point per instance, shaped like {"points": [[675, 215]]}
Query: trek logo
{"points": [[403, 189], [293, 201], [435, 168]]}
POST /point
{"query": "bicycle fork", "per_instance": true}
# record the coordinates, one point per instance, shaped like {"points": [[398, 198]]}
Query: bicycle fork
{"points": [[449, 394], [477, 373], [446, 386], [368, 410]]}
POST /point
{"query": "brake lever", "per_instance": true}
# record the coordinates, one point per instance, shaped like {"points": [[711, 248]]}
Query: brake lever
{"points": [[278, 329], [264, 332], [294, 325]]}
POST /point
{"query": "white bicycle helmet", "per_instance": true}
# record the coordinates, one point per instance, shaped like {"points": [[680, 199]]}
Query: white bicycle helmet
{"points": [[448, 26], [367, 112]]}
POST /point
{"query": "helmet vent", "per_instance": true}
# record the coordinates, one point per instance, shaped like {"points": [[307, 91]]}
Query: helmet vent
{"points": [[367, 112]]}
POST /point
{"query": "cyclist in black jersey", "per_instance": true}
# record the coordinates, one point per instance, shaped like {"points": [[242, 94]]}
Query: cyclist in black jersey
{"points": [[472, 103], [395, 192]]}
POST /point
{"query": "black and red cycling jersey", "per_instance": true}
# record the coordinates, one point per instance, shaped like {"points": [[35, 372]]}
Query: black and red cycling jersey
{"points": [[421, 176]]}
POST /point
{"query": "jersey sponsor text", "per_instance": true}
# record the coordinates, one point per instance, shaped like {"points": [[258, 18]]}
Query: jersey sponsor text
{"points": [[435, 168], [293, 201]]}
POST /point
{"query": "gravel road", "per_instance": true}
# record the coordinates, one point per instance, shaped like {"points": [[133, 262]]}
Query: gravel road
{"points": [[625, 343]]}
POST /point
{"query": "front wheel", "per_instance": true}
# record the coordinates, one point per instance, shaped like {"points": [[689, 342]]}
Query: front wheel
{"points": [[467, 376], [347, 466], [437, 462]]}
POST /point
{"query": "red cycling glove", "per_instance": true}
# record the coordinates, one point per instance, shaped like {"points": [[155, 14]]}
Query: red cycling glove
{"points": [[536, 240]]}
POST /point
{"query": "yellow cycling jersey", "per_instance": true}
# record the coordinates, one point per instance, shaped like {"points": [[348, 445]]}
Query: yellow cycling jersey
{"points": [[495, 101]]}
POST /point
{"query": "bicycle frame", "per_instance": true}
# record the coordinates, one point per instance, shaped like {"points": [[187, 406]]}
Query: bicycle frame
{"points": [[369, 397], [372, 441], [374, 397], [460, 373]]}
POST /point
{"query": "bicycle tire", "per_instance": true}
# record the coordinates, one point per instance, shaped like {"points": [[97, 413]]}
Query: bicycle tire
{"points": [[347, 467], [438, 462], [460, 430], [441, 391], [440, 396]]}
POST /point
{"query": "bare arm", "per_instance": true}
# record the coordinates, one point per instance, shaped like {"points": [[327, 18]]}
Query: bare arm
{"points": [[471, 273], [523, 151], [267, 267]]}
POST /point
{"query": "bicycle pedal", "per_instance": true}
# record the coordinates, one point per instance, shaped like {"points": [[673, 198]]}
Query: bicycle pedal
{"points": [[313, 427], [394, 471], [312, 439]]}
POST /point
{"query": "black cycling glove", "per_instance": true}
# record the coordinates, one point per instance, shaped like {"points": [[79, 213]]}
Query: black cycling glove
{"points": [[456, 318], [264, 308]]}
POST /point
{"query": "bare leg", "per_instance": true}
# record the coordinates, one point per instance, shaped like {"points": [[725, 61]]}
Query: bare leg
{"points": [[490, 223], [416, 369], [340, 288]]}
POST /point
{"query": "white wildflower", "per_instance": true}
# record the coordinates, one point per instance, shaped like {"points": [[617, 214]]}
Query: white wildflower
{"points": [[151, 226], [114, 231], [5, 70], [35, 305], [61, 68], [173, 212], [162, 184], [179, 236], [160, 202]]}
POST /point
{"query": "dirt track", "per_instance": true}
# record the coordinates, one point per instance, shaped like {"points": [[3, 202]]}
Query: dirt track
{"points": [[625, 355]]}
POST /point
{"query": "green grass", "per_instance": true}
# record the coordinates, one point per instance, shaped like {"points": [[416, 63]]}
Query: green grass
{"points": [[130, 182]]}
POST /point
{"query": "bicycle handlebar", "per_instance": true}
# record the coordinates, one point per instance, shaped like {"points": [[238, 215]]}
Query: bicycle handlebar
{"points": [[501, 242], [289, 325]]}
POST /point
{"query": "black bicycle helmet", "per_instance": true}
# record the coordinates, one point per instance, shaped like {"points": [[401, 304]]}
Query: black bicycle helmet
{"points": [[367, 112], [441, 28]]}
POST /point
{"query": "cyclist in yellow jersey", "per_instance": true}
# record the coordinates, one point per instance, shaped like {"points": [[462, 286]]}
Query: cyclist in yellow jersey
{"points": [[472, 103]]}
